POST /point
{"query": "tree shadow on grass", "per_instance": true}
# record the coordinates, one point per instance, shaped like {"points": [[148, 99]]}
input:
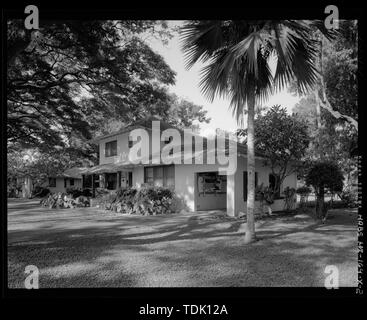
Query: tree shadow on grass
{"points": [[172, 251]]}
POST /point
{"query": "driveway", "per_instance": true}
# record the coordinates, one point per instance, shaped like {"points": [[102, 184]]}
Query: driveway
{"points": [[88, 247]]}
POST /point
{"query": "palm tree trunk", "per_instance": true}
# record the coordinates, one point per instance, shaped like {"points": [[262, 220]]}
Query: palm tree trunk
{"points": [[250, 230]]}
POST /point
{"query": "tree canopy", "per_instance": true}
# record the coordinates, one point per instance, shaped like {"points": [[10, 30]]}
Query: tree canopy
{"points": [[325, 174], [69, 76], [282, 139]]}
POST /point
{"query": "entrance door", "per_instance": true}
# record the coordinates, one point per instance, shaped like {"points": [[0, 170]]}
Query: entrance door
{"points": [[126, 179]]}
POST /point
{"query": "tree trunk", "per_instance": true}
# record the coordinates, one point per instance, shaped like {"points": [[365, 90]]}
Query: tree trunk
{"points": [[318, 109], [320, 203], [250, 231]]}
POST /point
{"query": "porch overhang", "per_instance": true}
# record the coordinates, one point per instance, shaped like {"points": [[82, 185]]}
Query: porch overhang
{"points": [[108, 168]]}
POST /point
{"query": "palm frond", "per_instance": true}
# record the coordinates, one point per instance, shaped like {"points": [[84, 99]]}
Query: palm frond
{"points": [[200, 41], [238, 54]]}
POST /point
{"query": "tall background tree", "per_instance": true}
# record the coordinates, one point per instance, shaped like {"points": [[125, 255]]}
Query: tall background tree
{"points": [[282, 139], [333, 125], [70, 80], [237, 55]]}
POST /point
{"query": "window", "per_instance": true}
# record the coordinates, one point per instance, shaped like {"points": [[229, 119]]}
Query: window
{"points": [[272, 180], [71, 182], [169, 176], [160, 176], [111, 148], [111, 181], [148, 176], [245, 184], [211, 183], [65, 185], [52, 182]]}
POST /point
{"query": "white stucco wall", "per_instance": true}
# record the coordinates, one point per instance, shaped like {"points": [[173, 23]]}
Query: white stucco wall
{"points": [[237, 205], [185, 185], [122, 148], [60, 185]]}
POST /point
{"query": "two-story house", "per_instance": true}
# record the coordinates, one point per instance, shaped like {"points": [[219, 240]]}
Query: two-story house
{"points": [[201, 185]]}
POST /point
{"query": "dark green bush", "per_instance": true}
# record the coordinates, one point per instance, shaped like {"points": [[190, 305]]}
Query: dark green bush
{"points": [[86, 192], [322, 176], [349, 198], [74, 192], [39, 191], [304, 190]]}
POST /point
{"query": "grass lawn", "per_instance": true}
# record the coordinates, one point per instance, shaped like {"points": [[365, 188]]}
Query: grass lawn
{"points": [[87, 247]]}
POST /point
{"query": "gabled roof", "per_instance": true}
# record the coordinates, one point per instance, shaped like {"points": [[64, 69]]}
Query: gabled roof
{"points": [[146, 124]]}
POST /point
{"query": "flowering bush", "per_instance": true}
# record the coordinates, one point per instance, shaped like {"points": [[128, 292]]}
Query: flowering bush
{"points": [[62, 200], [147, 200]]}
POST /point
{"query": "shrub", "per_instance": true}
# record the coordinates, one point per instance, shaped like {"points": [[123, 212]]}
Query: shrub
{"points": [[61, 200], [321, 176], [148, 200], [349, 198], [303, 191], [86, 193], [153, 200], [289, 198], [39, 191], [74, 192]]}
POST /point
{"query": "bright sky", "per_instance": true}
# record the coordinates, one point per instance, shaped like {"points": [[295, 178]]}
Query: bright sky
{"points": [[187, 86]]}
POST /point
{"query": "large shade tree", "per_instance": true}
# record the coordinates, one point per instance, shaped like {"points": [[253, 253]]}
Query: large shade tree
{"points": [[69, 75], [71, 80], [238, 56]]}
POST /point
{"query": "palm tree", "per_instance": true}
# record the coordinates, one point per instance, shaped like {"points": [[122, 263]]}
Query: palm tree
{"points": [[237, 56]]}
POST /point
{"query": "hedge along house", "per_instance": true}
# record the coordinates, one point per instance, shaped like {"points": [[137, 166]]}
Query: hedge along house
{"points": [[70, 178], [201, 185]]}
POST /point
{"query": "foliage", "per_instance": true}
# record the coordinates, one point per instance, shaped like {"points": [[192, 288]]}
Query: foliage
{"points": [[282, 139], [65, 77], [333, 140], [148, 200], [239, 51], [39, 191], [153, 200], [264, 194], [324, 175], [304, 190], [237, 54], [337, 64], [349, 198], [290, 199], [176, 111], [61, 200], [70, 79], [340, 66], [40, 165], [75, 192]]}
